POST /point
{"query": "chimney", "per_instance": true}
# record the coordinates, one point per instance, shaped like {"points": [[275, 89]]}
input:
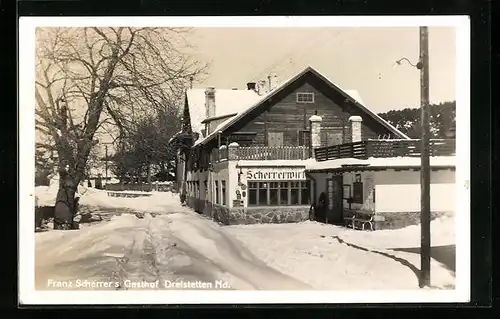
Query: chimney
{"points": [[315, 121], [356, 128], [251, 86], [210, 102]]}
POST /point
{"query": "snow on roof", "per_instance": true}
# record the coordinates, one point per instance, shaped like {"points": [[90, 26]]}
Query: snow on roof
{"points": [[435, 161], [227, 101], [244, 110]]}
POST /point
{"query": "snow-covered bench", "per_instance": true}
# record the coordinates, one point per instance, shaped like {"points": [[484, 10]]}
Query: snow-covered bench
{"points": [[360, 221]]}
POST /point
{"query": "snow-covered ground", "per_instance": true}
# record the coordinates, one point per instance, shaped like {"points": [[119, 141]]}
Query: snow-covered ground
{"points": [[178, 244], [157, 202], [324, 257]]}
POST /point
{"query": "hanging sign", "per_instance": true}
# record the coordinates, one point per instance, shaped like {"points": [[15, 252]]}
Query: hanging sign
{"points": [[276, 174], [237, 203]]}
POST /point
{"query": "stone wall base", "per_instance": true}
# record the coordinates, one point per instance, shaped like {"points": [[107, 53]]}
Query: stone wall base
{"points": [[196, 204], [404, 219], [252, 215], [261, 215], [393, 220]]}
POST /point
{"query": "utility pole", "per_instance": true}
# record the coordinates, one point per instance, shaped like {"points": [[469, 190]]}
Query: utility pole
{"points": [[425, 185], [106, 162]]}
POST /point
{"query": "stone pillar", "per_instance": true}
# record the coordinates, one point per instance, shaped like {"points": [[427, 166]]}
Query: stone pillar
{"points": [[223, 153], [315, 122], [356, 128], [233, 151]]}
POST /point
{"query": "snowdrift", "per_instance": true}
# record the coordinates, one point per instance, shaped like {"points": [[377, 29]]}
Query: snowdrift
{"points": [[157, 202]]}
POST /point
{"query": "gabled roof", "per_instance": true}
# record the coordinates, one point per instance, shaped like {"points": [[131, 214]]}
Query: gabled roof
{"points": [[227, 102], [349, 94]]}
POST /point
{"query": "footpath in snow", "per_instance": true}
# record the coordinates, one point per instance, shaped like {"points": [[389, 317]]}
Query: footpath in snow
{"points": [[176, 244]]}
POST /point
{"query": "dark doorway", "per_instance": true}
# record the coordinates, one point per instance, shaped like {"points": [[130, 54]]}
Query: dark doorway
{"points": [[334, 198]]}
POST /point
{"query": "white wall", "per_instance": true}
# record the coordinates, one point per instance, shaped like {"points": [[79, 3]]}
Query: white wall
{"points": [[399, 191], [220, 173]]}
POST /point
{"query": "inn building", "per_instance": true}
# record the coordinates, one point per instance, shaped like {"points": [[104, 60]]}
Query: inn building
{"points": [[246, 157]]}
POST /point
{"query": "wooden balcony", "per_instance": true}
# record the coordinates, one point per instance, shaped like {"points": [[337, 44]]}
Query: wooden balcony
{"points": [[384, 148], [261, 153]]}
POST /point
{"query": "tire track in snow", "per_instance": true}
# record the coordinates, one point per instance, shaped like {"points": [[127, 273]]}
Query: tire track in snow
{"points": [[145, 255]]}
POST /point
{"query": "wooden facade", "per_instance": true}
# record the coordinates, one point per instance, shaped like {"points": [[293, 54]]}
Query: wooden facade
{"points": [[281, 121]]}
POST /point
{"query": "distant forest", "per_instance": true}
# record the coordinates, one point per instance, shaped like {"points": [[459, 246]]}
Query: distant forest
{"points": [[442, 120]]}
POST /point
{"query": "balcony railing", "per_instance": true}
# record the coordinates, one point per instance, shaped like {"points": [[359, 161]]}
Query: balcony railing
{"points": [[384, 148], [261, 153]]}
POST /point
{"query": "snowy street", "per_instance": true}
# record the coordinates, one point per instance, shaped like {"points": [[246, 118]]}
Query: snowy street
{"points": [[171, 244]]}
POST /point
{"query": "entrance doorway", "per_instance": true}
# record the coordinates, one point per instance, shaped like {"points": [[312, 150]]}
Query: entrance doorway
{"points": [[334, 198]]}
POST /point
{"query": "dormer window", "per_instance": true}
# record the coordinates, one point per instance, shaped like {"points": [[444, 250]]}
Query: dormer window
{"points": [[305, 97]]}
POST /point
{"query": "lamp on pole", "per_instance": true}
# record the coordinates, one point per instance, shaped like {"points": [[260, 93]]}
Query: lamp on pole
{"points": [[425, 207]]}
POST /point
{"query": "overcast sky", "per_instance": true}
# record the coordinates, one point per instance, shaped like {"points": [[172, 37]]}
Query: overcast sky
{"points": [[353, 58]]}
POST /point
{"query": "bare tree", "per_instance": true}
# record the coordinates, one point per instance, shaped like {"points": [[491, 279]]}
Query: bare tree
{"points": [[89, 79], [147, 149]]}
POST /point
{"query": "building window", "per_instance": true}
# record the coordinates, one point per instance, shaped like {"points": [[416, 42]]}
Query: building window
{"points": [[216, 192], [223, 185], [305, 193], [304, 137], [273, 193], [262, 193], [305, 97], [252, 193], [205, 184], [294, 193], [278, 193], [275, 139], [357, 192], [284, 193]]}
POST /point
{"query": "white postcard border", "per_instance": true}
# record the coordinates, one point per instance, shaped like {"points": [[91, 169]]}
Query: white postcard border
{"points": [[29, 296]]}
